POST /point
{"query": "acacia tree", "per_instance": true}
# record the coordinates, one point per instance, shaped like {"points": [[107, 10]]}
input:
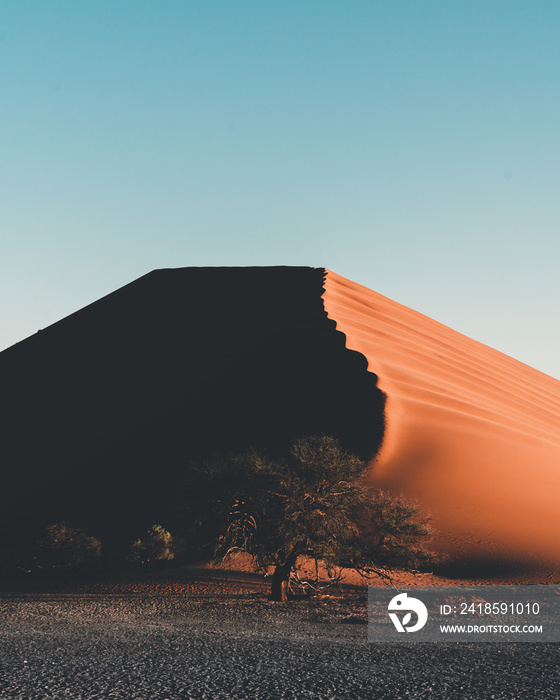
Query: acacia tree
{"points": [[312, 502]]}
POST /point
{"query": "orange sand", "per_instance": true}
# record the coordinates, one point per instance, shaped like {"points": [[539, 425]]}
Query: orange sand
{"points": [[471, 433]]}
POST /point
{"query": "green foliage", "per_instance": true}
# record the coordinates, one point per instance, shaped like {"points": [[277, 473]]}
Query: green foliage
{"points": [[391, 532], [64, 547], [158, 545], [313, 502]]}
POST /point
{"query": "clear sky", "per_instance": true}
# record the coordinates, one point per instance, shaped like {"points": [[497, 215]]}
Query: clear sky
{"points": [[410, 145]]}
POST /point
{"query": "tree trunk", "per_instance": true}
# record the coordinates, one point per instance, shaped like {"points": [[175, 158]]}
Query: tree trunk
{"points": [[280, 578]]}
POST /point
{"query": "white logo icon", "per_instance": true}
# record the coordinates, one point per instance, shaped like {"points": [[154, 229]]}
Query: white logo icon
{"points": [[403, 602]]}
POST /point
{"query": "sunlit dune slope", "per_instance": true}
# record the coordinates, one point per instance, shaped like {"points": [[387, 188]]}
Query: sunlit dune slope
{"points": [[471, 433]]}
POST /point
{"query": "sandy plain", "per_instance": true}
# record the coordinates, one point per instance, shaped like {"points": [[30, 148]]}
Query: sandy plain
{"points": [[220, 637]]}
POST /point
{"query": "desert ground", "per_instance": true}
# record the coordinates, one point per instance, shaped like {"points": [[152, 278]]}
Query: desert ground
{"points": [[215, 634]]}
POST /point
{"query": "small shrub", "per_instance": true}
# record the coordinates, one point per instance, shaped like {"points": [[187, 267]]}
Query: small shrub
{"points": [[65, 547], [158, 545]]}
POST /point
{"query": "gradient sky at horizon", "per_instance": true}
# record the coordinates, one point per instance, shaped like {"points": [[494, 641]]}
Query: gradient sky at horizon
{"points": [[410, 146]]}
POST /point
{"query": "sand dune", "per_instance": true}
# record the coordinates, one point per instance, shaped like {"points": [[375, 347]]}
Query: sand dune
{"points": [[100, 412], [471, 433]]}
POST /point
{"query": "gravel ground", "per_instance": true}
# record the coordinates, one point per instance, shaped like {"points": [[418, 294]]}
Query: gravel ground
{"points": [[145, 646]]}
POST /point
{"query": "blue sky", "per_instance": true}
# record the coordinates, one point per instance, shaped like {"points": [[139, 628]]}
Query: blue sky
{"points": [[410, 146]]}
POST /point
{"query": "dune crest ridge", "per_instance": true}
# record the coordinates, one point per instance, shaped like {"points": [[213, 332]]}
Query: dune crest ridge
{"points": [[471, 433]]}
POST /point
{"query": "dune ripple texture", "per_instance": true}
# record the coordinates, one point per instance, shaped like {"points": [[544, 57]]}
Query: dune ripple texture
{"points": [[471, 433]]}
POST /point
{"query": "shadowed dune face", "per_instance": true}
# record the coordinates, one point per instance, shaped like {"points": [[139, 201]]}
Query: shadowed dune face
{"points": [[100, 412], [472, 434]]}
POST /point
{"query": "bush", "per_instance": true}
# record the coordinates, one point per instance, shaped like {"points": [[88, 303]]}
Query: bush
{"points": [[64, 547], [158, 545]]}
